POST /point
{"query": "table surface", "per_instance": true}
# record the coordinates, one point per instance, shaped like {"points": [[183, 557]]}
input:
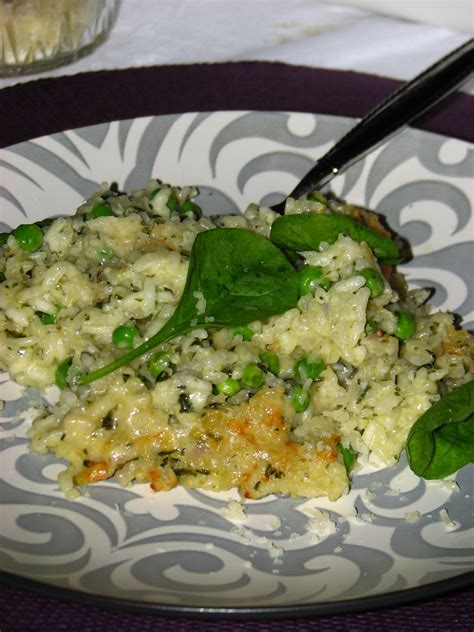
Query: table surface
{"points": [[302, 32], [305, 32]]}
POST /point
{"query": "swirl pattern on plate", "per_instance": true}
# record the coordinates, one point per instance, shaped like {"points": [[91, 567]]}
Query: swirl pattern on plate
{"points": [[179, 548]]}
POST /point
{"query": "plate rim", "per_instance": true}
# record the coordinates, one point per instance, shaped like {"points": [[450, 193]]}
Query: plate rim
{"points": [[403, 597]]}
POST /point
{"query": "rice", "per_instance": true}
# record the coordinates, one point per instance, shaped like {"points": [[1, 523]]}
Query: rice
{"points": [[93, 274]]}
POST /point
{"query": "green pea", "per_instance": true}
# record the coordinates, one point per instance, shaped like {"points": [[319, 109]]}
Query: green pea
{"points": [[405, 326], [188, 207], [317, 196], [306, 369], [246, 333], [271, 360], [29, 237], [100, 210], [158, 363], [253, 376], [311, 277], [124, 336], [229, 387], [153, 193], [62, 370], [373, 280], [3, 238], [172, 203], [300, 398]]}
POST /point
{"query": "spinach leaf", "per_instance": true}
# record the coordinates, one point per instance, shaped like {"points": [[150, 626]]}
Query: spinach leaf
{"points": [[235, 277], [442, 440], [306, 232]]}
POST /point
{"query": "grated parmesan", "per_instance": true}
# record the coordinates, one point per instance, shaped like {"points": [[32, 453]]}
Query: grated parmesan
{"points": [[446, 519]]}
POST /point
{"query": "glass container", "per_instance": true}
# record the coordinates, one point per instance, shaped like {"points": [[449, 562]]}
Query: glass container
{"points": [[38, 35]]}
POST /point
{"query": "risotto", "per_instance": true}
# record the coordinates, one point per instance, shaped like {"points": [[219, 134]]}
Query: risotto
{"points": [[284, 404]]}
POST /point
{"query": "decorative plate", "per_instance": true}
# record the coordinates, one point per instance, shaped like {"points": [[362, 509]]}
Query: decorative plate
{"points": [[394, 538]]}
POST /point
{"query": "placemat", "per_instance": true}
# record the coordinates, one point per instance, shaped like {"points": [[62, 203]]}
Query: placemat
{"points": [[26, 610], [46, 106]]}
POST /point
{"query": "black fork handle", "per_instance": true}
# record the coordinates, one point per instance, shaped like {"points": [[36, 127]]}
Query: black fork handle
{"points": [[403, 106]]}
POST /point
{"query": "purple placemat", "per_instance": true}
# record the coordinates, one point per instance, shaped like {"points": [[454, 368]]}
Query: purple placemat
{"points": [[24, 610], [46, 106]]}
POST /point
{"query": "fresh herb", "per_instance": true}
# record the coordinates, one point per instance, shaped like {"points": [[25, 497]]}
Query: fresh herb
{"points": [[242, 276], [306, 369], [185, 404], [186, 471], [172, 203], [50, 319], [271, 470], [191, 209], [442, 440], [108, 422], [47, 319], [44, 223], [349, 456], [154, 193], [188, 208], [371, 327], [100, 210], [300, 398], [308, 231], [61, 374]]}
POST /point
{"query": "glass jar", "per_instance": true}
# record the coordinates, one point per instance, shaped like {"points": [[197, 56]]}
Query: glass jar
{"points": [[38, 35]]}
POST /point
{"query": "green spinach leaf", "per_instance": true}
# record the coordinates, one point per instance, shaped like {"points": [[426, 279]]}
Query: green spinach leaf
{"points": [[306, 232], [234, 278], [442, 440]]}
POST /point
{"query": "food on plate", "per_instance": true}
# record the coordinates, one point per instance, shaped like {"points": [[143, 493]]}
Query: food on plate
{"points": [[268, 353]]}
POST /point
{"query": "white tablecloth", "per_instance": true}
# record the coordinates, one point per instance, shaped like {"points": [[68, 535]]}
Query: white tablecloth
{"points": [[307, 32]]}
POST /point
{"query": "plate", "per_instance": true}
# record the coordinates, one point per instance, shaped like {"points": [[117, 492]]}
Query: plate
{"points": [[393, 539]]}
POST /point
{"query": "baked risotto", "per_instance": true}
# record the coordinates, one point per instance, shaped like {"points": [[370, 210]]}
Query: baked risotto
{"points": [[334, 369]]}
